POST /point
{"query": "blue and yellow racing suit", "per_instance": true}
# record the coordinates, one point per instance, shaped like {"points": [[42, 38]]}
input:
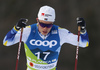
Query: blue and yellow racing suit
{"points": [[42, 51]]}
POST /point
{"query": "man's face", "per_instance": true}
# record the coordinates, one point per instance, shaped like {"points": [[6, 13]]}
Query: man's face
{"points": [[44, 26]]}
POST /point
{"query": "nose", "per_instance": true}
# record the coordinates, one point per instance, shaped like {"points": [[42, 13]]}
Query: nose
{"points": [[45, 28]]}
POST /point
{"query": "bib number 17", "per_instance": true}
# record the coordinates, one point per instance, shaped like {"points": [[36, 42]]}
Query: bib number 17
{"points": [[45, 57]]}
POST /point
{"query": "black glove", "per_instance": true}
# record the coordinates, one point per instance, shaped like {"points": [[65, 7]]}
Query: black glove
{"points": [[82, 24], [21, 23]]}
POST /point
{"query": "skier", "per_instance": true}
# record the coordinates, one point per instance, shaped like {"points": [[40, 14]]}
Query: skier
{"points": [[43, 40]]}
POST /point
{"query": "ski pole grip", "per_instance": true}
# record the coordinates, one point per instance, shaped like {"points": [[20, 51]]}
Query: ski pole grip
{"points": [[79, 28], [22, 29]]}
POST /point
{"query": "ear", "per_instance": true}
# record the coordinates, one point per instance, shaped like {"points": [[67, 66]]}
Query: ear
{"points": [[37, 19]]}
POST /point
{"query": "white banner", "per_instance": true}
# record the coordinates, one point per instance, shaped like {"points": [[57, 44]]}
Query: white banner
{"points": [[41, 66]]}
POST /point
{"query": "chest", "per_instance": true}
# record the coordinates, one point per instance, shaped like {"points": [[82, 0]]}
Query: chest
{"points": [[35, 41]]}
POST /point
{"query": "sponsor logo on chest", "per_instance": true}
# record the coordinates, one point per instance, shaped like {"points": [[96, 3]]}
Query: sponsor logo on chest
{"points": [[44, 43]]}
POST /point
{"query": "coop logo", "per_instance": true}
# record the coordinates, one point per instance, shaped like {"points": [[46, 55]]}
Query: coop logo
{"points": [[43, 43]]}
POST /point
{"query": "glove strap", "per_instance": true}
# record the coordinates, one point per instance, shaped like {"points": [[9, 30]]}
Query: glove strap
{"points": [[16, 28], [83, 31]]}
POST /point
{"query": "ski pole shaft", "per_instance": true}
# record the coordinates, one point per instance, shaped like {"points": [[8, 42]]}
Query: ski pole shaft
{"points": [[77, 49], [18, 54]]}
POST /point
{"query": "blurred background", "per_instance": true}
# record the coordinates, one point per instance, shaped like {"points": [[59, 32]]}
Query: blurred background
{"points": [[66, 13]]}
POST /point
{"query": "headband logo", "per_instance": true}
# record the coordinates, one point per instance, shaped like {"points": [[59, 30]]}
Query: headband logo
{"points": [[42, 14], [46, 15]]}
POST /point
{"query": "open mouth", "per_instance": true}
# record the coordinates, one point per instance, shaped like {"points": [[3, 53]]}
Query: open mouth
{"points": [[45, 32]]}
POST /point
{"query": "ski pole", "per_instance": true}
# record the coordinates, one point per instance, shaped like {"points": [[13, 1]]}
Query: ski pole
{"points": [[18, 54], [77, 49]]}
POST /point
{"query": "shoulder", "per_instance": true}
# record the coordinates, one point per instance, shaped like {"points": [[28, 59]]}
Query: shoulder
{"points": [[63, 30], [27, 29], [33, 25], [55, 27], [60, 29]]}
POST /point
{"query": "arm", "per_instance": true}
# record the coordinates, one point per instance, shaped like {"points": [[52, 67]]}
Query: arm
{"points": [[68, 37], [13, 36]]}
